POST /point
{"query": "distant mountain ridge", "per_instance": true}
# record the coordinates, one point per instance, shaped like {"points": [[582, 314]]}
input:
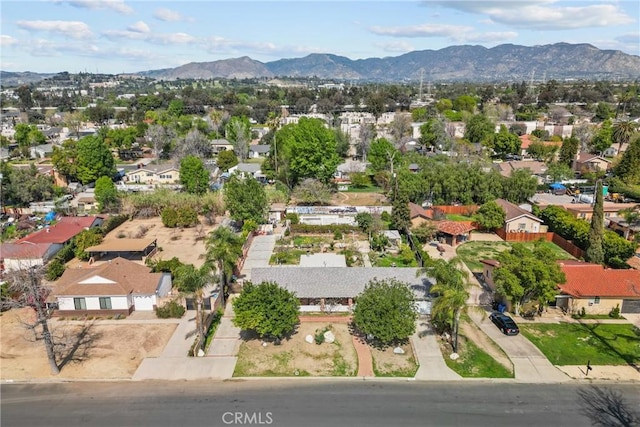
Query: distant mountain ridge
{"points": [[505, 62]]}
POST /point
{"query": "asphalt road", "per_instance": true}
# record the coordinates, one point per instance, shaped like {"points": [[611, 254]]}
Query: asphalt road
{"points": [[300, 403]]}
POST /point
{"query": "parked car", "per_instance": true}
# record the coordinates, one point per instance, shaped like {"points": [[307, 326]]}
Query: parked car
{"points": [[504, 323]]}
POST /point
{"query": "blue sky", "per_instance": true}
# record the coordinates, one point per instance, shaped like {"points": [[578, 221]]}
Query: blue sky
{"points": [[115, 36]]}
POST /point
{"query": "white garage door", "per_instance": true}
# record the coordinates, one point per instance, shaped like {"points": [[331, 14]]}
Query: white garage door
{"points": [[143, 303]]}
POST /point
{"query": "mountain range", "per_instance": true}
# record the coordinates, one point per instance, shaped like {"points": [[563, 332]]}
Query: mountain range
{"points": [[505, 62]]}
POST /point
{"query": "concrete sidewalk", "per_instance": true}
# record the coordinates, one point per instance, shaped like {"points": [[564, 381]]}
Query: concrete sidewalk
{"points": [[259, 254], [432, 365]]}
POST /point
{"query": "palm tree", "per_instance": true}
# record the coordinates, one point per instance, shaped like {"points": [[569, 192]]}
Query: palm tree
{"points": [[452, 294], [622, 133], [224, 248], [192, 281]]}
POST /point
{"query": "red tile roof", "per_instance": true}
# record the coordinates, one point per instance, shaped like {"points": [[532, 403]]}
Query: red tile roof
{"points": [[23, 250], [61, 232], [593, 280], [455, 228], [115, 278]]}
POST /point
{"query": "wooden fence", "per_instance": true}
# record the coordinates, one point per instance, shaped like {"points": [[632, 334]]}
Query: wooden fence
{"points": [[567, 245], [245, 252], [467, 210]]}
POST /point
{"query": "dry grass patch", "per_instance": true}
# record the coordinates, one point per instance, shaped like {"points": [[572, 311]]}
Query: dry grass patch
{"points": [[388, 364], [296, 357]]}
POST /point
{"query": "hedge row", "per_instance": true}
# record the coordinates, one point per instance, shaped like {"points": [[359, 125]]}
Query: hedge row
{"points": [[322, 229]]}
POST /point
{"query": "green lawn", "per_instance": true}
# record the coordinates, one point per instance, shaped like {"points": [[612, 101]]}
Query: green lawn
{"points": [[368, 189], [578, 343], [458, 217], [472, 252], [390, 260], [475, 362], [287, 257]]}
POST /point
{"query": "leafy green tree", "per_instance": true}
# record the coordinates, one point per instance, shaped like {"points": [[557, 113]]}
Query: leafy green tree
{"points": [[490, 216], [525, 275], [559, 171], [86, 239], [503, 142], [342, 142], [603, 112], [379, 242], [192, 281], [169, 217], [451, 293], [479, 129], [569, 150], [386, 311], [465, 103], [64, 159], [519, 187], [628, 170], [312, 192], [94, 159], [595, 251], [121, 138], [224, 249], [433, 133], [305, 150], [21, 186], [602, 139], [383, 155], [227, 159], [245, 199], [267, 309], [106, 194], [193, 175], [424, 232], [364, 221], [359, 179], [238, 132]]}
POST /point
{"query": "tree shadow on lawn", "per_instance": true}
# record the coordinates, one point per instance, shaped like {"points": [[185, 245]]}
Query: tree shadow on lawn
{"points": [[374, 343], [75, 347], [632, 358], [250, 335]]}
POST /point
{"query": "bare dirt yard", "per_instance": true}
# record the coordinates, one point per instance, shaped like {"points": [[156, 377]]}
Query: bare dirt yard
{"points": [[89, 350], [297, 357], [359, 199], [388, 364], [187, 244]]}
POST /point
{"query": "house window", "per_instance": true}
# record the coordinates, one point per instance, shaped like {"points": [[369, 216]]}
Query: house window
{"points": [[105, 303], [149, 173], [522, 226], [594, 300], [80, 303]]}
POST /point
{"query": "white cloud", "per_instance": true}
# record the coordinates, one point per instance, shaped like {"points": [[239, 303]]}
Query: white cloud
{"points": [[489, 37], [139, 27], [150, 37], [396, 46], [72, 29], [168, 15], [542, 14], [7, 40], [115, 5], [425, 30]]}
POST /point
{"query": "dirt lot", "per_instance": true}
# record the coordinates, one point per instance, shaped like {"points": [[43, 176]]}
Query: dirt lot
{"points": [[92, 350], [296, 355], [187, 244], [388, 364], [359, 199]]}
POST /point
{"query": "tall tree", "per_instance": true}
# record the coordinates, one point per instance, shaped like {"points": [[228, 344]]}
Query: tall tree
{"points": [[383, 155], [628, 170], [238, 132], [64, 159], [224, 249], [366, 134], [602, 139], [312, 192], [623, 132], [479, 129], [569, 150], [386, 311], [26, 289], [520, 186], [94, 159], [192, 281], [193, 175], [400, 213], [490, 216], [595, 251], [503, 142], [451, 290], [245, 199], [106, 194]]}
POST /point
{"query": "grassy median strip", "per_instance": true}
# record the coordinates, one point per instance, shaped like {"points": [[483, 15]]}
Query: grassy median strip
{"points": [[578, 343]]}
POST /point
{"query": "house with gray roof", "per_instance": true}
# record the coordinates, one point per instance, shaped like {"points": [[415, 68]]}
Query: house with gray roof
{"points": [[246, 169], [257, 151], [317, 287]]}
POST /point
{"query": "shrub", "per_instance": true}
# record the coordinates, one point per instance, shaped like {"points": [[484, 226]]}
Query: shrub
{"points": [[322, 229], [172, 309], [187, 217], [169, 217], [142, 231], [615, 312], [385, 216], [293, 218], [113, 222], [54, 269], [337, 235]]}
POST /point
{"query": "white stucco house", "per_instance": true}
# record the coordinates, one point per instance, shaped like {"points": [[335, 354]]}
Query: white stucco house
{"points": [[119, 286]]}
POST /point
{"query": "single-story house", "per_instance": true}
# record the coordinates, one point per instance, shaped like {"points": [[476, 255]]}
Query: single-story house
{"points": [[418, 214], [257, 151], [247, 169], [154, 174], [597, 289], [116, 287], [518, 220], [454, 232], [64, 230], [610, 209], [277, 211], [337, 288], [131, 249], [623, 228], [539, 169], [220, 145], [41, 151], [615, 149], [586, 162], [17, 256]]}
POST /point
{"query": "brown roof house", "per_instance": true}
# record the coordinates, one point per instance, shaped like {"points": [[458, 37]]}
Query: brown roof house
{"points": [[518, 220], [586, 162], [116, 287]]}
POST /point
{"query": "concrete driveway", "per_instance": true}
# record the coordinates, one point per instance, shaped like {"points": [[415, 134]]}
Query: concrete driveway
{"points": [[529, 364], [259, 254]]}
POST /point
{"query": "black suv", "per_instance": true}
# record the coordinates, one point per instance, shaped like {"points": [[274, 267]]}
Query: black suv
{"points": [[504, 323]]}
